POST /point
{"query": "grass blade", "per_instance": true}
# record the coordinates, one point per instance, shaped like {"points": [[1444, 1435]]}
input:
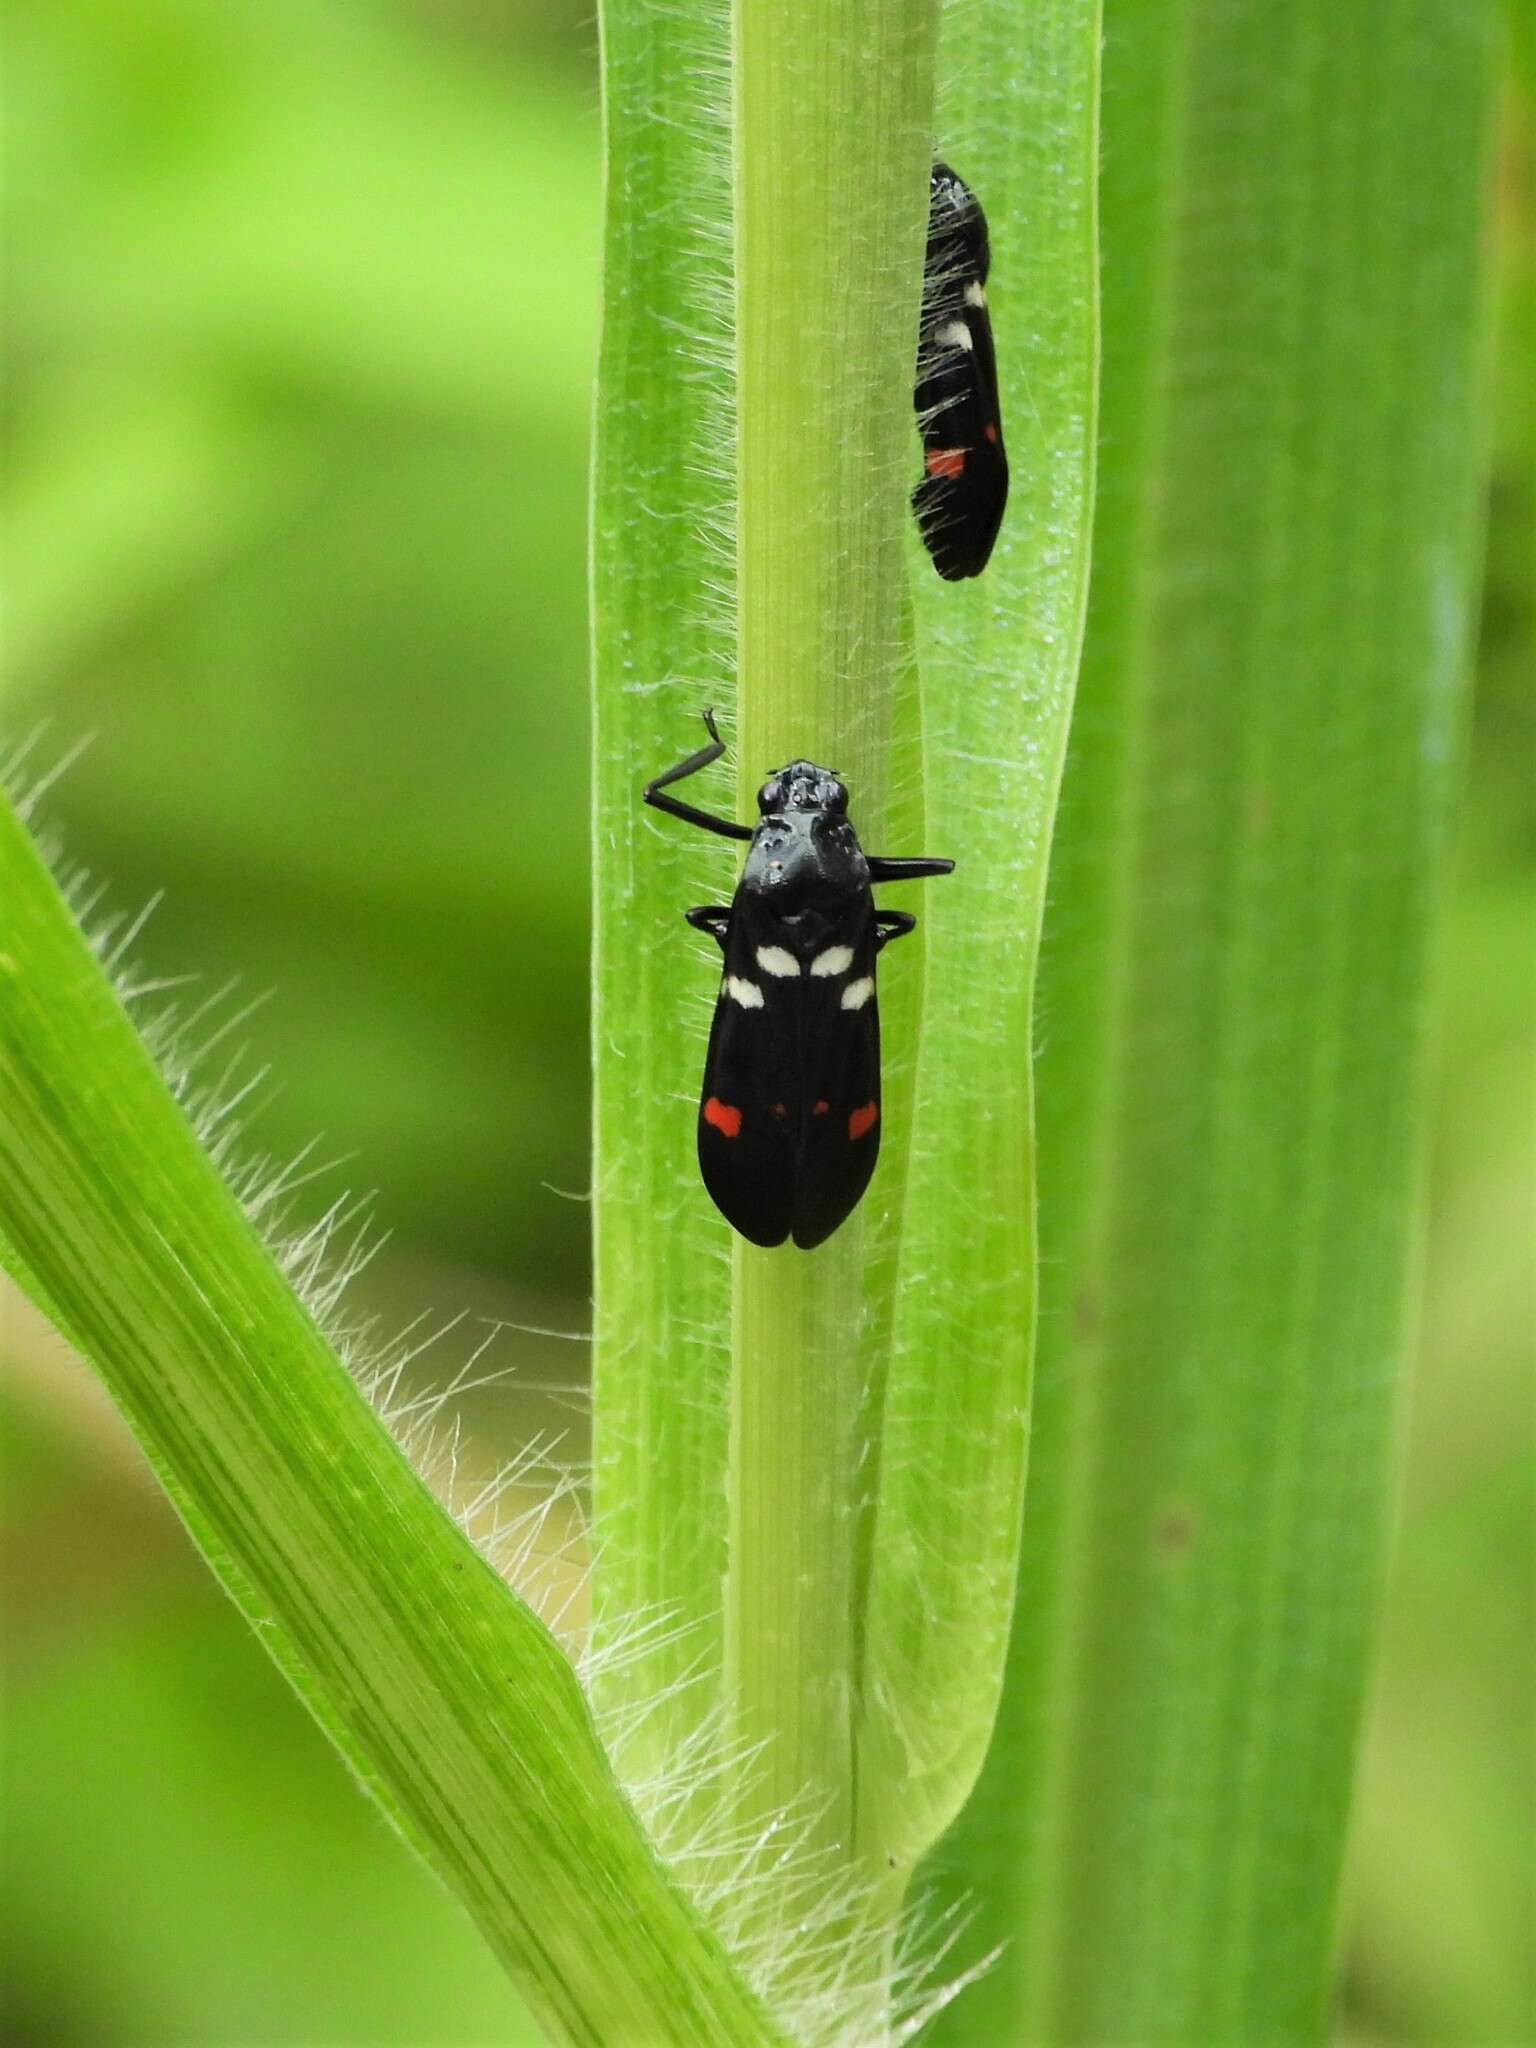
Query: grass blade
{"points": [[1268, 728], [999, 662], [662, 625], [828, 223], [450, 1701]]}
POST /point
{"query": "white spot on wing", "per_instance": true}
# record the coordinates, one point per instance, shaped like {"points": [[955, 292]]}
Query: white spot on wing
{"points": [[858, 993], [747, 993], [955, 334], [833, 960], [775, 960], [975, 294]]}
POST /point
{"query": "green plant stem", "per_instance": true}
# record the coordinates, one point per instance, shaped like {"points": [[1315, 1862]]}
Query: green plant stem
{"points": [[833, 106], [454, 1706]]}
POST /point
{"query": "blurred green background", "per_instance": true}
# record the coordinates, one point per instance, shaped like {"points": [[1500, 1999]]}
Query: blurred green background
{"points": [[302, 321]]}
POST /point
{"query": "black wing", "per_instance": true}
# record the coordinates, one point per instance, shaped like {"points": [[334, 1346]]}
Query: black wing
{"points": [[964, 489], [789, 1115], [839, 1127], [746, 1145]]}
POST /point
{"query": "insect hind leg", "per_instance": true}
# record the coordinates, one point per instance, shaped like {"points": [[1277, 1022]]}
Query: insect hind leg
{"points": [[892, 924]]}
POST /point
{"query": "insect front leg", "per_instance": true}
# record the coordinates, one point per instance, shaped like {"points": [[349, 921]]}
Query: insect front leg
{"points": [[689, 813], [885, 869], [892, 924], [714, 918]]}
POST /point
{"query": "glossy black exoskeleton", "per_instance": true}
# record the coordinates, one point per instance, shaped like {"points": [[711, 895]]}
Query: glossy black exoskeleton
{"points": [[789, 1118]]}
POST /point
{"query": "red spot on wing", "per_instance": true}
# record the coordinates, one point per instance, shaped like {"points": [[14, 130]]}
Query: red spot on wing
{"points": [[945, 462], [990, 430], [821, 1109], [863, 1119], [726, 1120]]}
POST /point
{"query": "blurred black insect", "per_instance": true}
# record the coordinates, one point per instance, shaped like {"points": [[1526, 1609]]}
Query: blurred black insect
{"points": [[960, 499]]}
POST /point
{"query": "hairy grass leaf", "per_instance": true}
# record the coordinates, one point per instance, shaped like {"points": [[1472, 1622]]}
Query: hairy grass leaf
{"points": [[998, 657], [851, 1592], [452, 1703], [662, 623]]}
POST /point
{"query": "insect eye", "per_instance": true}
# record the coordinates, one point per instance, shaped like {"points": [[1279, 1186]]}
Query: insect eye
{"points": [[771, 796]]}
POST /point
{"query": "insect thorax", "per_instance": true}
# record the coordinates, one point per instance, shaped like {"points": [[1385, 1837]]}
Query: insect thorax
{"points": [[803, 862]]}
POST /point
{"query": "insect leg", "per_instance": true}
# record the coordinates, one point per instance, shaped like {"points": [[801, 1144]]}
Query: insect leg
{"points": [[892, 924], [714, 918], [884, 869], [688, 812]]}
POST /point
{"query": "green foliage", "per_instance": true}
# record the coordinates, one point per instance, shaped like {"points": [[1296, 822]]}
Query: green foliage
{"points": [[301, 312], [856, 1633], [661, 648], [454, 1706], [1266, 746], [998, 661]]}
